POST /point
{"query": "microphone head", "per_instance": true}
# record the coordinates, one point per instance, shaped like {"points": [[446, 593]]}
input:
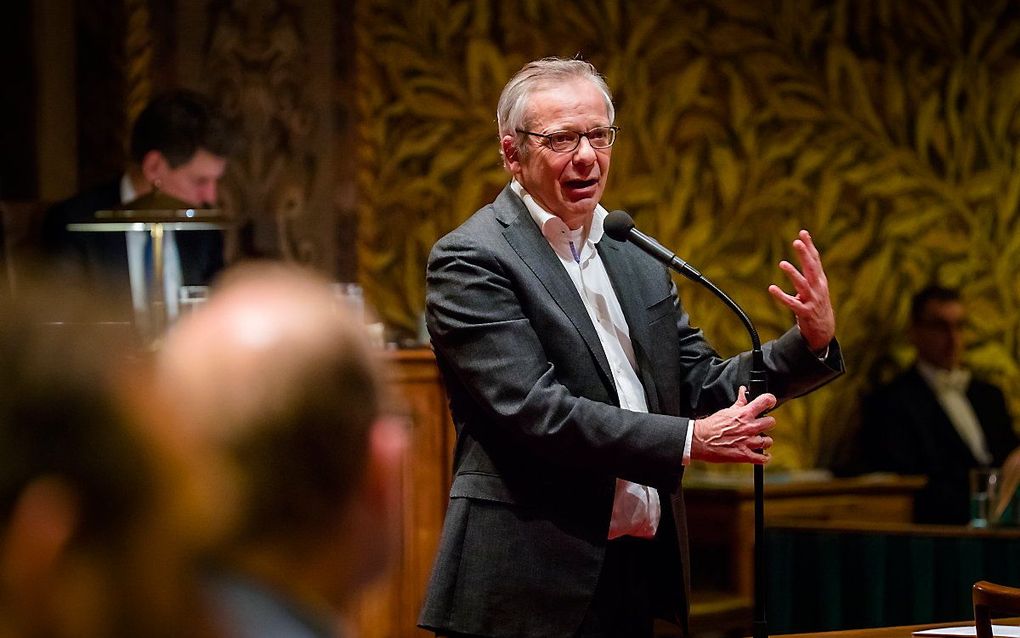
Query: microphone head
{"points": [[618, 225]]}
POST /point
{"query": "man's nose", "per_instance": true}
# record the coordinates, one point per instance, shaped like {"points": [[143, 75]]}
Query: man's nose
{"points": [[584, 153]]}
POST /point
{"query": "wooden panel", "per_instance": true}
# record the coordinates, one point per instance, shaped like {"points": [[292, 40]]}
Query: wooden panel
{"points": [[721, 518], [390, 608], [830, 576]]}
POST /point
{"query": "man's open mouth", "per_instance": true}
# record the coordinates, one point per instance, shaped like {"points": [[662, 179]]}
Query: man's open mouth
{"points": [[579, 184]]}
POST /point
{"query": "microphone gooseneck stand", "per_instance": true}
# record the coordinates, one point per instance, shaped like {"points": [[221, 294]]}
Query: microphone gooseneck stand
{"points": [[620, 226]]}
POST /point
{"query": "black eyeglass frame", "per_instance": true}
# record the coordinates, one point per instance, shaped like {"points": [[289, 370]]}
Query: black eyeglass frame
{"points": [[548, 137]]}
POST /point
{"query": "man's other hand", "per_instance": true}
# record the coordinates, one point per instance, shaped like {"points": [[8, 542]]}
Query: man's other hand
{"points": [[810, 304], [736, 434]]}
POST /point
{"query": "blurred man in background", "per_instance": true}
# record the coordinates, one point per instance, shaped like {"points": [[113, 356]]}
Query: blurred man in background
{"points": [[274, 376], [935, 419], [179, 148]]}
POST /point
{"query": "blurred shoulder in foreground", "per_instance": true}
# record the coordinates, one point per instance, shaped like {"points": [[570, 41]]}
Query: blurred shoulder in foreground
{"points": [[103, 518]]}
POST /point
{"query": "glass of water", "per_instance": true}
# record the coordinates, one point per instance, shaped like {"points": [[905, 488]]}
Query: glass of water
{"points": [[984, 493]]}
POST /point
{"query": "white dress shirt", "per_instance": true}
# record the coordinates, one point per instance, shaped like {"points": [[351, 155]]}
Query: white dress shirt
{"points": [[636, 508], [950, 388], [136, 243]]}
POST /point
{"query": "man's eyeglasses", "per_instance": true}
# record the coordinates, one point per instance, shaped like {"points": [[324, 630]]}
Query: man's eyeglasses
{"points": [[941, 325], [567, 141]]}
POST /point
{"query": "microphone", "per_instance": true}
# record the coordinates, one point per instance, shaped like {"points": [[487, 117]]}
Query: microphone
{"points": [[620, 226]]}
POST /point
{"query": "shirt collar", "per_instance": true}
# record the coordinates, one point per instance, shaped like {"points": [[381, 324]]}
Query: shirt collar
{"points": [[553, 228], [127, 189], [957, 379]]}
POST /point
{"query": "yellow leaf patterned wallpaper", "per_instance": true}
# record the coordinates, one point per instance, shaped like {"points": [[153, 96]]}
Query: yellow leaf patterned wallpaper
{"points": [[888, 128]]}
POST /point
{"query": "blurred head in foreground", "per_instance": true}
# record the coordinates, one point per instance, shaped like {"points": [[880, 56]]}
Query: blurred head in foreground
{"points": [[101, 520], [286, 387]]}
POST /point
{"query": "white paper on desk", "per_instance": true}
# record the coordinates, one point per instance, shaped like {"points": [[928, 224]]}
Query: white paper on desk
{"points": [[1007, 631]]}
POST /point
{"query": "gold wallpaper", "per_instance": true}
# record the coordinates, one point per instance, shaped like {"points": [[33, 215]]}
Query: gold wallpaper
{"points": [[888, 128], [256, 64]]}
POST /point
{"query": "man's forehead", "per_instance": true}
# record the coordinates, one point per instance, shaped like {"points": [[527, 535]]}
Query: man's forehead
{"points": [[943, 308], [205, 162], [550, 100]]}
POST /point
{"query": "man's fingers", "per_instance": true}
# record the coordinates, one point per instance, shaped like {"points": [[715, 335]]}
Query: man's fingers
{"points": [[810, 258], [738, 433], [805, 237], [808, 262], [805, 245], [780, 295], [741, 397], [764, 424], [799, 281], [761, 403]]}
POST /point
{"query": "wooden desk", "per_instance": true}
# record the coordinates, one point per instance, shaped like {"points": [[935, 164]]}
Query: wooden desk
{"points": [[835, 576], [721, 517], [901, 631], [390, 608]]}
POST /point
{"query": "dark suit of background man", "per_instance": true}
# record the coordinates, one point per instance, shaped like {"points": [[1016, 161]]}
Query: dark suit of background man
{"points": [[580, 390], [935, 419], [179, 145]]}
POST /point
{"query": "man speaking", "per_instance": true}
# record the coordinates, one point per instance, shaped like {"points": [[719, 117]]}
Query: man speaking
{"points": [[579, 389]]}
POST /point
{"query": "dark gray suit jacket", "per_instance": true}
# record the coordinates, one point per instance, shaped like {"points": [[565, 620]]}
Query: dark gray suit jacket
{"points": [[540, 439], [905, 430]]}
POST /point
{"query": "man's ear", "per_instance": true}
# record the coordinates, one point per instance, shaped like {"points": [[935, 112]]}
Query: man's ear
{"points": [[371, 522], [388, 440], [511, 154], [40, 528], [154, 167]]}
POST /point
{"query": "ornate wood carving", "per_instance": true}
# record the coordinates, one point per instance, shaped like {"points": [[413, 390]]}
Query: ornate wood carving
{"points": [[257, 65], [138, 54]]}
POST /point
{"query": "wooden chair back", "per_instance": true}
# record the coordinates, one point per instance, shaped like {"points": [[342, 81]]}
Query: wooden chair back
{"points": [[993, 600]]}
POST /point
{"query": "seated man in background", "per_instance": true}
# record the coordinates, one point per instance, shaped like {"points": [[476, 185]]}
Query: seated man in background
{"points": [[179, 148], [935, 419], [102, 512], [284, 385]]}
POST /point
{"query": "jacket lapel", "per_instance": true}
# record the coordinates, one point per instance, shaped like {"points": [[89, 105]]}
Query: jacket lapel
{"points": [[526, 239], [628, 285]]}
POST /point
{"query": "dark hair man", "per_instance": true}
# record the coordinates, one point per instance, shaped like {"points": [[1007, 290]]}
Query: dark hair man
{"points": [[935, 419], [580, 390], [179, 148]]}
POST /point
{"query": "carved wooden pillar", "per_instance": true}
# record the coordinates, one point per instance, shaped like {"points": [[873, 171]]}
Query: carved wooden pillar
{"points": [[138, 53], [267, 62]]}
